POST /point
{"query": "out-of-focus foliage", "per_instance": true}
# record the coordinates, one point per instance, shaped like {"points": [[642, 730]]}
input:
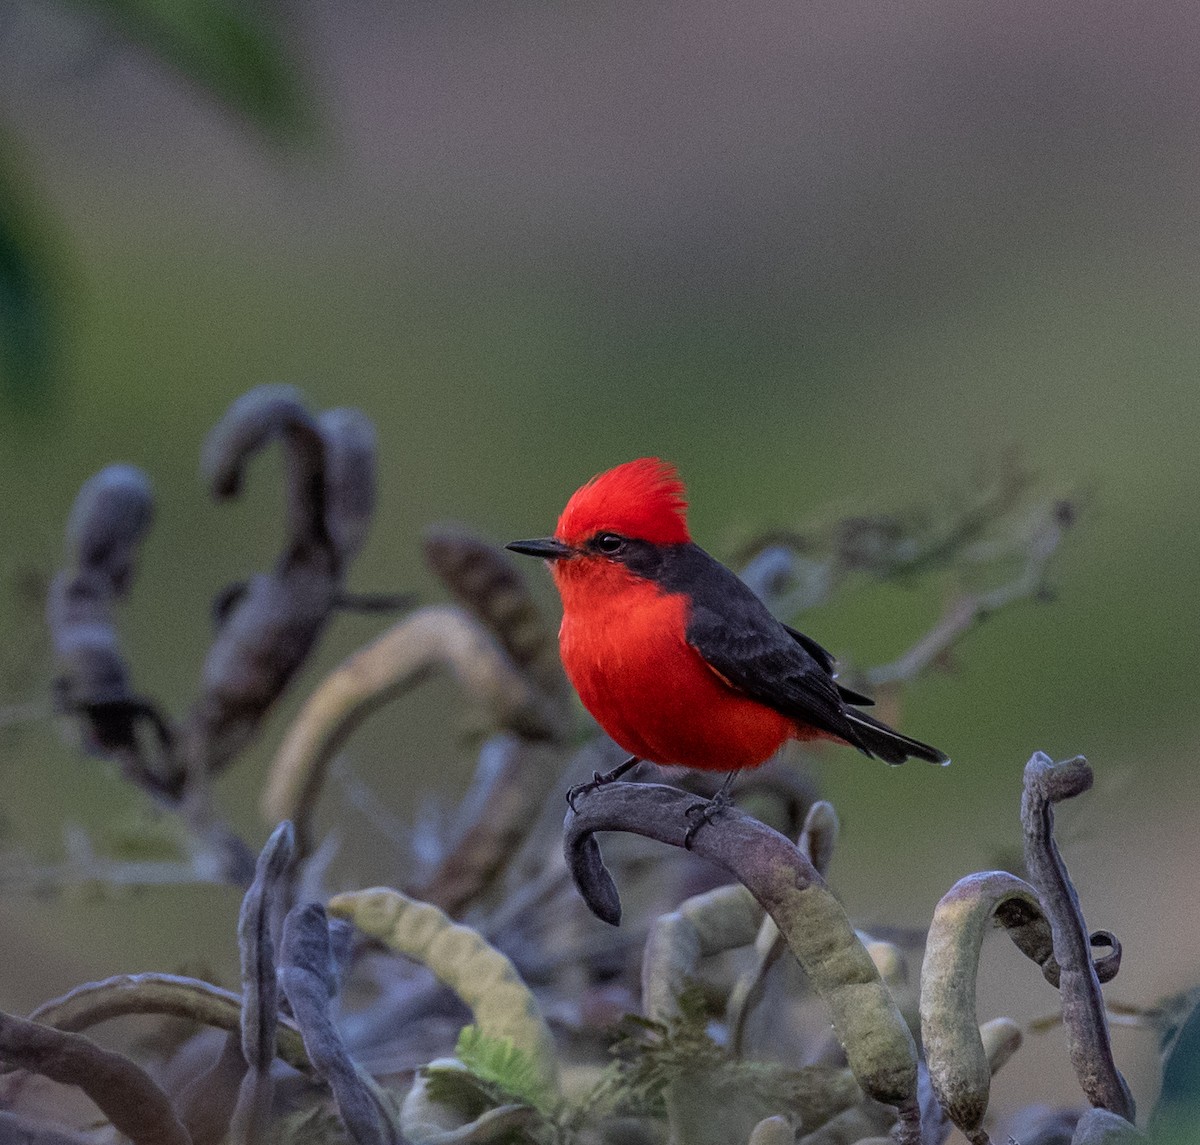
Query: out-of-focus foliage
{"points": [[31, 285], [236, 52]]}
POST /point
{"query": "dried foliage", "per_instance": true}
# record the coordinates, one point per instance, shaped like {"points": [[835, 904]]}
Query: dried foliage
{"points": [[484, 1002]]}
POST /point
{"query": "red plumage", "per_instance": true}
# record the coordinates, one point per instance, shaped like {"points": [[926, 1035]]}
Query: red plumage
{"points": [[676, 658], [643, 499]]}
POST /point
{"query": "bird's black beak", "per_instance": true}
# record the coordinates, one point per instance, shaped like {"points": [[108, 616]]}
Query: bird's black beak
{"points": [[545, 547]]}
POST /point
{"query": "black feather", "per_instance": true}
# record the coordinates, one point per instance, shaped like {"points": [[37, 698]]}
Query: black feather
{"points": [[735, 633]]}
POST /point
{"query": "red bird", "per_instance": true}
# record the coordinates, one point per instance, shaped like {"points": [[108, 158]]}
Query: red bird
{"points": [[676, 657]]}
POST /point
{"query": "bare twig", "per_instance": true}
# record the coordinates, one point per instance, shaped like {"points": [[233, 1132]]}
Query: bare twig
{"points": [[966, 612], [795, 571]]}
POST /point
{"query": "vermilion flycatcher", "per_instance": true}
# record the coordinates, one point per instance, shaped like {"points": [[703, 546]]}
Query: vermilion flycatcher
{"points": [[676, 657]]}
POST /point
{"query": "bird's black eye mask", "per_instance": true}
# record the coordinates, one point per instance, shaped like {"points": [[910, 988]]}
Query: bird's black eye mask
{"points": [[644, 558]]}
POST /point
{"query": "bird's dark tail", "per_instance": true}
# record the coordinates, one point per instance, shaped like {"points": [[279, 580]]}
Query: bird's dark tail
{"points": [[877, 739]]}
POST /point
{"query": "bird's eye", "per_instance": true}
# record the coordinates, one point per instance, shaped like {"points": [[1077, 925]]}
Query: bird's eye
{"points": [[609, 543]]}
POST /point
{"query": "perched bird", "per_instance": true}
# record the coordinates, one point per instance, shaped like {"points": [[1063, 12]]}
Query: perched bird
{"points": [[675, 656]]}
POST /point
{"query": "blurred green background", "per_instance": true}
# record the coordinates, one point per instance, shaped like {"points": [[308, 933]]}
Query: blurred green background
{"points": [[828, 258]]}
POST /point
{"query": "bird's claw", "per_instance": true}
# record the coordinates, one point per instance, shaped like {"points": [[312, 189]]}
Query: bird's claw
{"points": [[704, 812], [600, 780], [579, 789]]}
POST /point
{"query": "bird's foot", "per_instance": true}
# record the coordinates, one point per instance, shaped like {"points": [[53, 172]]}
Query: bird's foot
{"points": [[704, 812], [599, 779]]}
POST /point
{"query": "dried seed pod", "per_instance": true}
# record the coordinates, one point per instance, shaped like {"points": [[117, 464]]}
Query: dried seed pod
{"points": [[252, 422], [124, 1093], [820, 834], [189, 998], [1084, 1017], [877, 1042], [309, 978], [1001, 1038], [773, 1131], [1102, 1127], [260, 992], [272, 623], [349, 439], [706, 924], [818, 837], [484, 580], [111, 515], [959, 1065], [504, 1008]]}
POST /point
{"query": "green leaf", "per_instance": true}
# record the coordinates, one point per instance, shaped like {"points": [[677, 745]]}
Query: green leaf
{"points": [[230, 48], [1179, 1099], [500, 1062]]}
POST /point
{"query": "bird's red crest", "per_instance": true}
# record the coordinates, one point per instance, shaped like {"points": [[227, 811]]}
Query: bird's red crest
{"points": [[644, 499]]}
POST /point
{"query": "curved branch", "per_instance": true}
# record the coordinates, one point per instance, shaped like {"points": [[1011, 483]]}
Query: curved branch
{"points": [[878, 1044]]}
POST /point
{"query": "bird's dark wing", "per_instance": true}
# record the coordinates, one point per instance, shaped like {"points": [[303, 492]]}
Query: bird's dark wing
{"points": [[749, 649], [826, 660]]}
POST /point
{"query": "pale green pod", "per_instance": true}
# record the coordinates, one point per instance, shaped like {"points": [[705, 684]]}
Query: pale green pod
{"points": [[504, 1008], [819, 835], [817, 840], [706, 924], [430, 638], [773, 1131], [959, 1066], [889, 961], [1001, 1038]]}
